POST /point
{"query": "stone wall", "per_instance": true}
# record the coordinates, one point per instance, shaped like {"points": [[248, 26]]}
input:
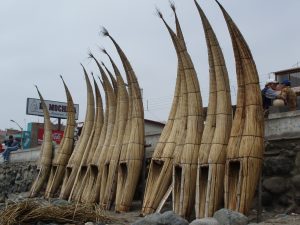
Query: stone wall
{"points": [[281, 175], [16, 177]]}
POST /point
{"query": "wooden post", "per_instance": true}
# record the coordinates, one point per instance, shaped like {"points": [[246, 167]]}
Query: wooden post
{"points": [[59, 123]]}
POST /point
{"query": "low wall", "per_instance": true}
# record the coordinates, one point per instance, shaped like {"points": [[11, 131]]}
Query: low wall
{"points": [[281, 175]]}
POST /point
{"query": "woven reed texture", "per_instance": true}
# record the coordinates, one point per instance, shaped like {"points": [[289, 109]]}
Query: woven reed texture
{"points": [[90, 191], [112, 163], [187, 167], [80, 179], [243, 166], [65, 149], [103, 146], [210, 193], [76, 157], [44, 164], [132, 158]]}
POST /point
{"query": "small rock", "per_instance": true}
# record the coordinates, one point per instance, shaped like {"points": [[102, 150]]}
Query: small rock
{"points": [[229, 217], [275, 185], [278, 165], [171, 218], [205, 221], [167, 218]]}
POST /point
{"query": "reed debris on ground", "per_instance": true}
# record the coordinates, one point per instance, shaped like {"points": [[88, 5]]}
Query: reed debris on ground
{"points": [[30, 211]]}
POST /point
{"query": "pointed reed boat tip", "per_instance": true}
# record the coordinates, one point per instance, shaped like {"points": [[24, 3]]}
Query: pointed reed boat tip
{"points": [[159, 13], [172, 5], [104, 32], [91, 56]]}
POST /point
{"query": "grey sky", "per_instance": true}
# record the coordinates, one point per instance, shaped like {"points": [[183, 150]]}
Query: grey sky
{"points": [[41, 39]]}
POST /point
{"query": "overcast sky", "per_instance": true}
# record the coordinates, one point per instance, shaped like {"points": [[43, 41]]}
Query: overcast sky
{"points": [[41, 39]]}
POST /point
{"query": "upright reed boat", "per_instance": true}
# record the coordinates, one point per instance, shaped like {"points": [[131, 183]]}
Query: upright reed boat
{"points": [[246, 144], [44, 164], [64, 151], [76, 157], [212, 156]]}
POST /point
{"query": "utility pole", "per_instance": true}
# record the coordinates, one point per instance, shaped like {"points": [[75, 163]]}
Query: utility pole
{"points": [[21, 132]]}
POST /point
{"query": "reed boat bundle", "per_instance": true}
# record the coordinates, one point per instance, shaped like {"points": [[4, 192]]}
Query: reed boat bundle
{"points": [[76, 157], [45, 160], [131, 157], [184, 171], [160, 171], [93, 186], [112, 163], [212, 156], [80, 179], [246, 144], [64, 151]]}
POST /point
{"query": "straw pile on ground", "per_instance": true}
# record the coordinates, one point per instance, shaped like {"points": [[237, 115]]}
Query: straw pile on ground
{"points": [[211, 168], [30, 211], [44, 164], [65, 149]]}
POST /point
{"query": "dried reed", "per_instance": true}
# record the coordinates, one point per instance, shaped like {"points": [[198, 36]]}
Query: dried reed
{"points": [[243, 164], [186, 168], [116, 143], [210, 173], [76, 157], [131, 159], [64, 151], [46, 154], [31, 212]]}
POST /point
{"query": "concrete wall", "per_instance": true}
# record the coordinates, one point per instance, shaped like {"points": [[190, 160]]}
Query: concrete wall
{"points": [[284, 125]]}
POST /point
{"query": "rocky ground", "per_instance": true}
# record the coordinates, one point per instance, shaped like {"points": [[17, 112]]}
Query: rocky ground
{"points": [[222, 217]]}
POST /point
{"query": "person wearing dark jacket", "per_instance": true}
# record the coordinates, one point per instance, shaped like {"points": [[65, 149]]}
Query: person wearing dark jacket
{"points": [[10, 145]]}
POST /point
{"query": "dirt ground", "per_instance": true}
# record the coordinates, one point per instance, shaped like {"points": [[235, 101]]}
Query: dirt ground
{"points": [[267, 217]]}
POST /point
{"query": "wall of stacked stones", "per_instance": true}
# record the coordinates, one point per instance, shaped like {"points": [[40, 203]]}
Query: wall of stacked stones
{"points": [[281, 175], [280, 182]]}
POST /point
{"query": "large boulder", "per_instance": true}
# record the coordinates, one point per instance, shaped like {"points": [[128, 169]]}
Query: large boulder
{"points": [[275, 185], [205, 221], [167, 218], [278, 165], [229, 217]]}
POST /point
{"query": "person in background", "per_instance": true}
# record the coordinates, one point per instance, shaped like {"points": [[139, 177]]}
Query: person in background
{"points": [[269, 94], [10, 145], [288, 95]]}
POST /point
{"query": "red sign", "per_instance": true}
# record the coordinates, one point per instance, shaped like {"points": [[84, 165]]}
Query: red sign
{"points": [[57, 135]]}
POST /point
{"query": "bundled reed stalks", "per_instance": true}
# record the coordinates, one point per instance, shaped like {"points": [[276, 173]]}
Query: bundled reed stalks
{"points": [[31, 212], [160, 171], [64, 151], [97, 168], [246, 146], [131, 158], [212, 156], [184, 172], [76, 157], [117, 139], [46, 154], [112, 78], [90, 147]]}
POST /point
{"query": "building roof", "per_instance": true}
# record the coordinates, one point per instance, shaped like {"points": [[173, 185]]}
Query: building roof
{"points": [[154, 122], [287, 71]]}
